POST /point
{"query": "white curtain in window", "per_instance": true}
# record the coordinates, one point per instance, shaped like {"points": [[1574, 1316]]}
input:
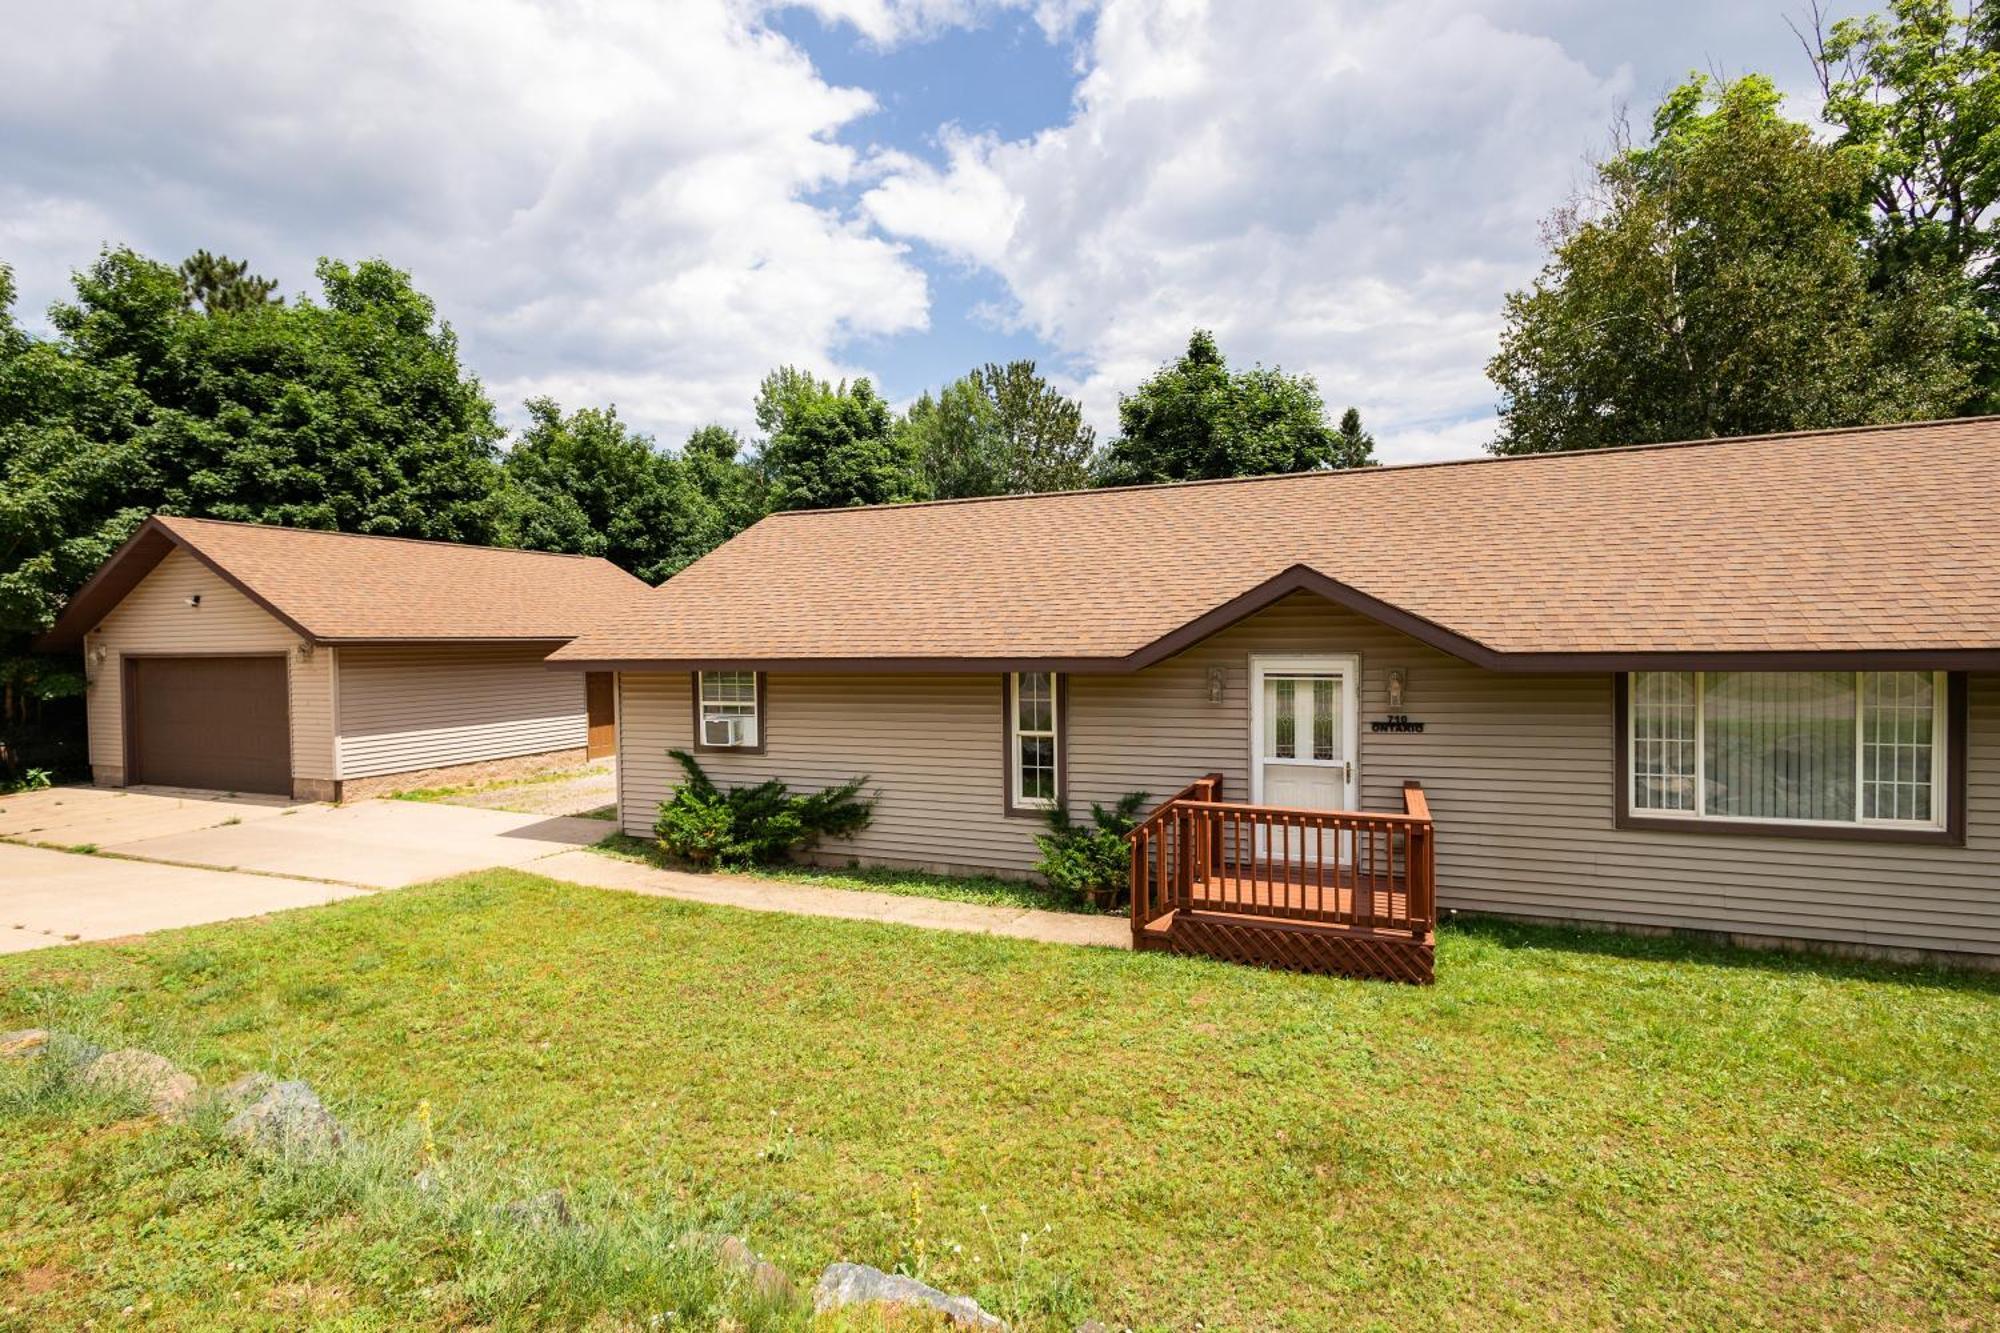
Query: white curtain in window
{"points": [[1663, 737], [1779, 744]]}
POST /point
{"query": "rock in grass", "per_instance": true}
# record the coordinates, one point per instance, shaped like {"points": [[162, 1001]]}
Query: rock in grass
{"points": [[238, 1093], [288, 1118], [858, 1284], [21, 1044], [550, 1208], [165, 1087], [766, 1278]]}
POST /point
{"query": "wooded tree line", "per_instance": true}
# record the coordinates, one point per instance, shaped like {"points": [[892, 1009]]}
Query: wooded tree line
{"points": [[1737, 273], [197, 390]]}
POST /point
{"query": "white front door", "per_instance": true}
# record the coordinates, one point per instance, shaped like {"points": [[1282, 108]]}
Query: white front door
{"points": [[1303, 715]]}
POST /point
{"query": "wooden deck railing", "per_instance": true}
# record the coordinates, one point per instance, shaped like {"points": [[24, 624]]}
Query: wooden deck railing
{"points": [[1359, 869]]}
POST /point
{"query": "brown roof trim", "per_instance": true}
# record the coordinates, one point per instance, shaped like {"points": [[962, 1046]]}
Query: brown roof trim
{"points": [[491, 641], [130, 563], [850, 666], [1302, 578]]}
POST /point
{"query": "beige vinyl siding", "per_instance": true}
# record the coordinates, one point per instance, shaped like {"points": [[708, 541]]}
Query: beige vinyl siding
{"points": [[156, 619], [1519, 771], [929, 744], [431, 706]]}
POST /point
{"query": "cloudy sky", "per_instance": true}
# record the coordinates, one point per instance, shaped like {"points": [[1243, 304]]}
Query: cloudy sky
{"points": [[652, 203]]}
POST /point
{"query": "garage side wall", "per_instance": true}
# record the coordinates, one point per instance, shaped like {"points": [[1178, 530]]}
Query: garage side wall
{"points": [[412, 709], [156, 619]]}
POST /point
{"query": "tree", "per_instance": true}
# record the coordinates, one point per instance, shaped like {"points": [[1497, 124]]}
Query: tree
{"points": [[1195, 419], [956, 440], [1916, 96], [354, 414], [1353, 445], [595, 487], [218, 283], [585, 482], [1000, 430], [832, 446], [1718, 286], [70, 472], [730, 482]]}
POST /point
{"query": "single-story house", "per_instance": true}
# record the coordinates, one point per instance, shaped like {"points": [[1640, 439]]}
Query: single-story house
{"points": [[1746, 686], [325, 666]]}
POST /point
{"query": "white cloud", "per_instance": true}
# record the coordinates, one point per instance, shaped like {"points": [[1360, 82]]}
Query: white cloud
{"points": [[609, 201], [890, 22], [966, 209], [1341, 188]]}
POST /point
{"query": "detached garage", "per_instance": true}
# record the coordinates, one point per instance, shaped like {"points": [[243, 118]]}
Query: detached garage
{"points": [[326, 666]]}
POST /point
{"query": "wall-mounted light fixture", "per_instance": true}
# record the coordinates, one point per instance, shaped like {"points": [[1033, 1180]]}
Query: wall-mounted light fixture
{"points": [[305, 651], [1218, 683], [194, 600], [1398, 685]]}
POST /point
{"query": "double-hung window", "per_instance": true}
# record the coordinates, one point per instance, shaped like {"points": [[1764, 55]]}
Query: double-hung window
{"points": [[728, 713], [1803, 748], [1034, 740]]}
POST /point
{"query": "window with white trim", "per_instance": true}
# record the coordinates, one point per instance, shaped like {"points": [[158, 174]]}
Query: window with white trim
{"points": [[728, 710], [1033, 740], [1792, 747]]}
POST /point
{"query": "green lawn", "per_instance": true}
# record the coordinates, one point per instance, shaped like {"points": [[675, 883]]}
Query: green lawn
{"points": [[987, 890], [1567, 1130]]}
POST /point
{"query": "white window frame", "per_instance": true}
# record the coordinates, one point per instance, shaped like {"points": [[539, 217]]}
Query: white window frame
{"points": [[736, 709], [1941, 798], [1015, 799]]}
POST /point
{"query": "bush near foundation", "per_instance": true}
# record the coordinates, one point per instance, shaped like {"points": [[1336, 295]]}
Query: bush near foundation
{"points": [[758, 825]]}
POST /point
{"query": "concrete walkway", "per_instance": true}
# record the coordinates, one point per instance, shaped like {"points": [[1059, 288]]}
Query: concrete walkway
{"points": [[177, 858], [763, 895]]}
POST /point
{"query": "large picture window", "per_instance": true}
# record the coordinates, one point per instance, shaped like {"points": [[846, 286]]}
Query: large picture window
{"points": [[1788, 747], [1034, 740]]}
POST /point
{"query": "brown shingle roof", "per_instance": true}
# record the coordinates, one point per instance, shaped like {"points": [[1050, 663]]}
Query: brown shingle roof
{"points": [[335, 587], [1879, 540]]}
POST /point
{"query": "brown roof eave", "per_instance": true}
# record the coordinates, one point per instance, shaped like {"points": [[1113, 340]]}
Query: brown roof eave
{"points": [[418, 640]]}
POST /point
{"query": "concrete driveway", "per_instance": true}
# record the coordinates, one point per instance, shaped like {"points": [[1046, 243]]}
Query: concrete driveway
{"points": [[298, 853], [51, 897]]}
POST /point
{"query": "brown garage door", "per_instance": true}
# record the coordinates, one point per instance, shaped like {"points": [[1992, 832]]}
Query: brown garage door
{"points": [[214, 722]]}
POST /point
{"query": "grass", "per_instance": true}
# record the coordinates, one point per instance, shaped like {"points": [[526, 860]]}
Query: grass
{"points": [[986, 890], [351, 1235], [436, 794], [1569, 1129]]}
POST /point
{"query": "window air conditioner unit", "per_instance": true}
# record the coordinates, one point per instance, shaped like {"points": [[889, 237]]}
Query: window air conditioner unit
{"points": [[726, 730]]}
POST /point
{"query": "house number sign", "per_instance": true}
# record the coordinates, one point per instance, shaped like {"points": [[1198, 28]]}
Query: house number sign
{"points": [[1395, 722]]}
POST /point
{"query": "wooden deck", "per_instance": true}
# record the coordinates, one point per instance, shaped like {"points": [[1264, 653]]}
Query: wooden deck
{"points": [[1343, 892], [1298, 893]]}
